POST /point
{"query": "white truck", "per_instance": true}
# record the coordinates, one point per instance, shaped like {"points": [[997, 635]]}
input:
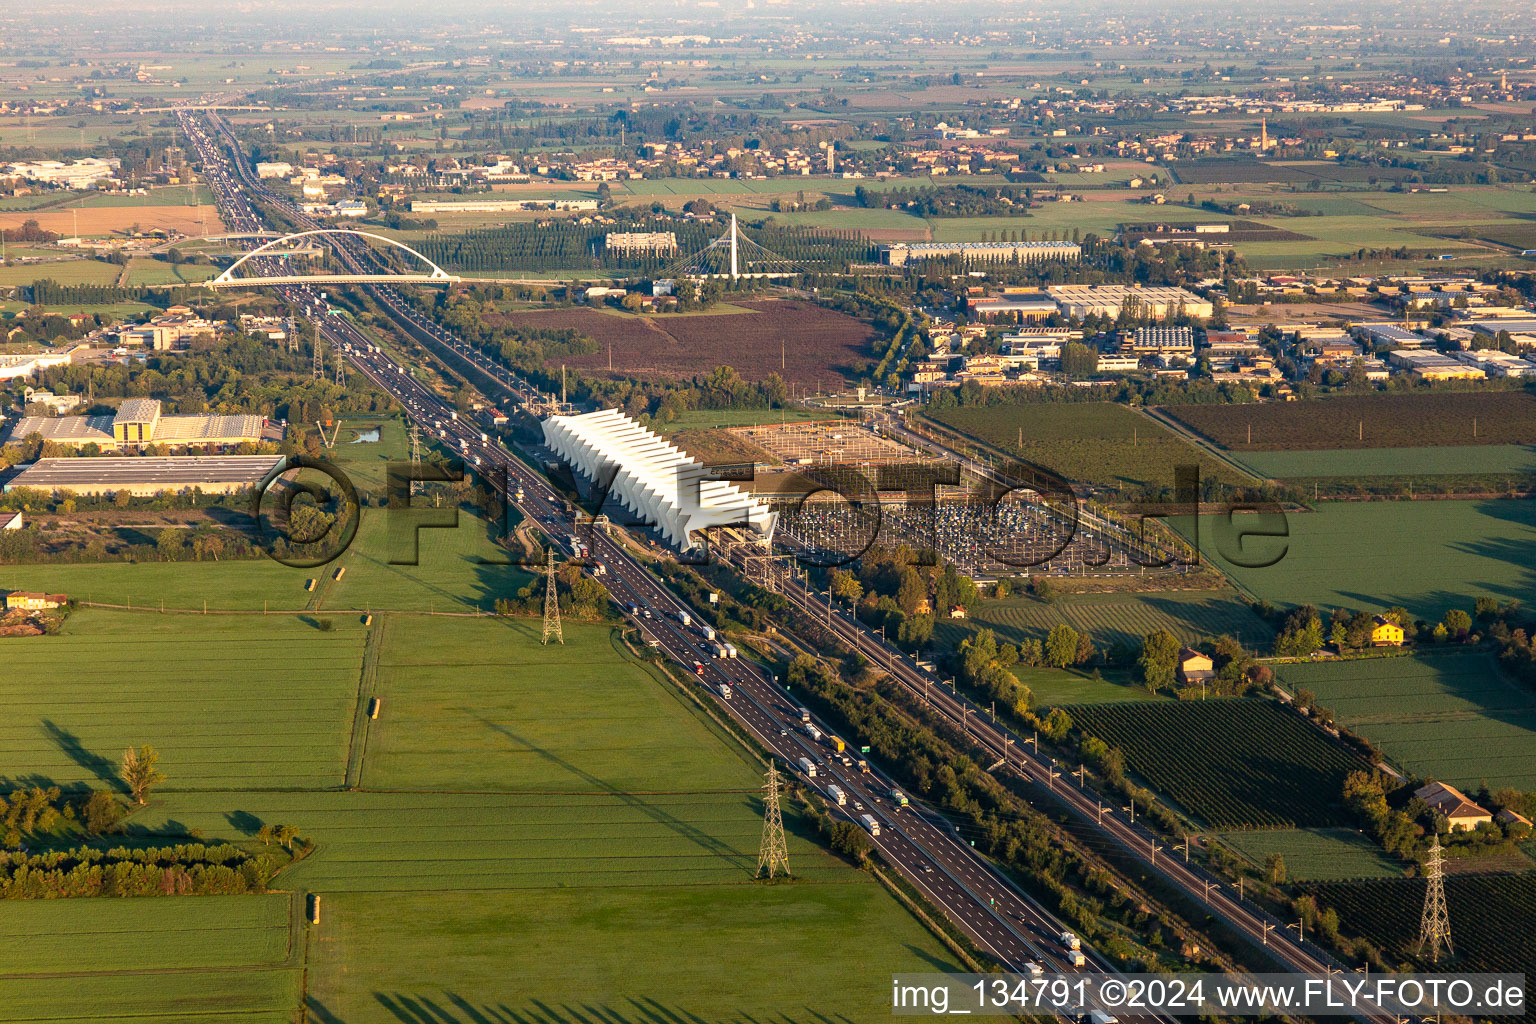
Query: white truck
{"points": [[813, 732], [1100, 1017], [730, 650], [808, 767], [725, 690], [870, 824], [684, 618], [1070, 941], [805, 714], [708, 632], [1034, 970], [837, 795]]}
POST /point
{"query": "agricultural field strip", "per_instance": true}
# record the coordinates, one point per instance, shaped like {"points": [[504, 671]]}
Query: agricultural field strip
{"points": [[1116, 619], [1490, 917], [1414, 462], [1367, 421], [1233, 763], [1453, 717]]}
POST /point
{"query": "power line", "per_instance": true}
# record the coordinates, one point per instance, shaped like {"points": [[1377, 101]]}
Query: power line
{"points": [[551, 603], [1435, 924], [774, 853]]}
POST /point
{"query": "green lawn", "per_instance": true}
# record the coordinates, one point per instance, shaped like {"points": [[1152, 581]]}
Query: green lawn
{"points": [[1453, 717], [230, 702], [457, 713], [1427, 556], [1315, 854]]}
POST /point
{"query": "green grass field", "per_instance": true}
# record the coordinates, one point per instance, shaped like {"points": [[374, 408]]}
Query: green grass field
{"points": [[457, 715], [457, 569], [1315, 854], [143, 272], [536, 827], [193, 959], [1453, 717], [1515, 459], [704, 419], [1116, 618], [1097, 443], [64, 272], [648, 953], [230, 702], [1231, 763], [1054, 687], [1427, 556]]}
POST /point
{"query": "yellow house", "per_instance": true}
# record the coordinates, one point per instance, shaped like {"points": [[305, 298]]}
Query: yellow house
{"points": [[28, 601], [1385, 633], [1194, 667]]}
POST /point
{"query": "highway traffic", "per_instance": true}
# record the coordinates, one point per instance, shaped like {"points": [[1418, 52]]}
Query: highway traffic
{"points": [[923, 846], [996, 915]]}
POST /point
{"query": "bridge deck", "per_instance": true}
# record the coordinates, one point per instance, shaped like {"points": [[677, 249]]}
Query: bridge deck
{"points": [[257, 282]]}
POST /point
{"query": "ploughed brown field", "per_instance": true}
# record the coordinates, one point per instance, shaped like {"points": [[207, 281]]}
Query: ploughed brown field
{"points": [[1368, 421], [802, 342], [116, 220]]}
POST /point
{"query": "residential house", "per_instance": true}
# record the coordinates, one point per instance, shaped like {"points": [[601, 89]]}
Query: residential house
{"points": [[1446, 799], [1385, 632], [1195, 667]]}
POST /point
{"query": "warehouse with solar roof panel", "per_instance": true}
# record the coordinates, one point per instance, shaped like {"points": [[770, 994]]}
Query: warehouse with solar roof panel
{"points": [[148, 475], [138, 421]]}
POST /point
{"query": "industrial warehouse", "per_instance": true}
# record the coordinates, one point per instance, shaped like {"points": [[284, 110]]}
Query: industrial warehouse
{"points": [[654, 480], [138, 422], [145, 477], [899, 254]]}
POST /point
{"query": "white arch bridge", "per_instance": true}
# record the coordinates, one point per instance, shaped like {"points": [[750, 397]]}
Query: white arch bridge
{"points": [[227, 279]]}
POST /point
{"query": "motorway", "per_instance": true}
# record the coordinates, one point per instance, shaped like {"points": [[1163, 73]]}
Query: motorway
{"points": [[923, 846]]}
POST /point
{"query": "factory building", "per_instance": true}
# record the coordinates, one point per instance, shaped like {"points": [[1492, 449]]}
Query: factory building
{"points": [[655, 480], [500, 205], [900, 254], [1084, 300], [145, 477], [138, 422], [641, 243]]}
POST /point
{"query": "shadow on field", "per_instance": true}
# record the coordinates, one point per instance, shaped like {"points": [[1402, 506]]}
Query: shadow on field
{"points": [[418, 1009], [682, 828], [104, 770], [319, 1013]]}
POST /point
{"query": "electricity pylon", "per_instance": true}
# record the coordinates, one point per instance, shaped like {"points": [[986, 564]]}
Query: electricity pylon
{"points": [[774, 853], [319, 369], [1435, 925], [551, 603], [341, 370], [415, 436]]}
